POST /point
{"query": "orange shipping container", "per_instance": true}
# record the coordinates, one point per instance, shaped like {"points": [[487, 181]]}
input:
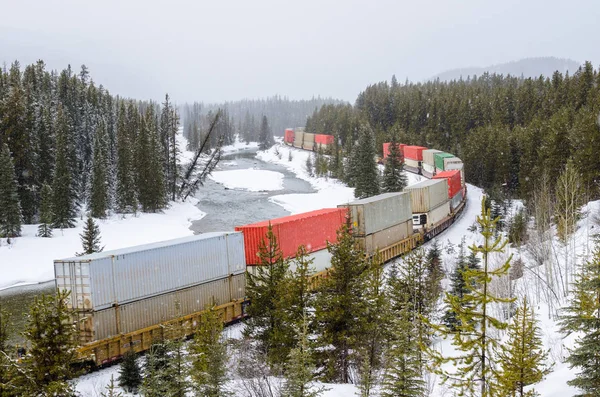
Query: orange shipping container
{"points": [[414, 152], [289, 135], [454, 181], [324, 139], [311, 229]]}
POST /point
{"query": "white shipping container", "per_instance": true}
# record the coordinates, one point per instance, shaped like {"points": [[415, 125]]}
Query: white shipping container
{"points": [[384, 238], [298, 137], [453, 163], [309, 137], [431, 218], [103, 279], [428, 168], [427, 194], [379, 212], [412, 163], [130, 317], [456, 200], [428, 157], [427, 174]]}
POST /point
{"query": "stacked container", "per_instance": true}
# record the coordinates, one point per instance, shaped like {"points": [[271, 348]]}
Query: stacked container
{"points": [[429, 201], [129, 285], [380, 221], [298, 138], [455, 186], [428, 165], [308, 141], [311, 229], [413, 156], [288, 137], [324, 141], [439, 159]]}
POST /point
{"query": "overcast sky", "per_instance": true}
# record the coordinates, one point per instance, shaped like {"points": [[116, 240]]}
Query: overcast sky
{"points": [[226, 50]]}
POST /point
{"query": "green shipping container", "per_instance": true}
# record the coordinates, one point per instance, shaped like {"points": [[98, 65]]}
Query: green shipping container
{"points": [[439, 159]]}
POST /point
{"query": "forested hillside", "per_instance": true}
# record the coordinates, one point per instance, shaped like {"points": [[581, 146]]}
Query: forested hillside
{"points": [[69, 145], [511, 133]]}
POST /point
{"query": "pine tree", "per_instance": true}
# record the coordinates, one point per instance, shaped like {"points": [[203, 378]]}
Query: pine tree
{"points": [[50, 333], [10, 208], [403, 371], [8, 388], [474, 340], [46, 215], [126, 199], [367, 175], [310, 168], [130, 374], [458, 287], [394, 180], [63, 194], [154, 383], [99, 200], [300, 372], [150, 177], [436, 270], [90, 237], [523, 357], [209, 357], [265, 137], [337, 308], [265, 290], [178, 367], [111, 389], [583, 315]]}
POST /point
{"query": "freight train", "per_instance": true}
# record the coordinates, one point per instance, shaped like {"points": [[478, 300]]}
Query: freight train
{"points": [[127, 299]]}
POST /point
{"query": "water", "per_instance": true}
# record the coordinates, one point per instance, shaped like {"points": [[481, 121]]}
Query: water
{"points": [[225, 208]]}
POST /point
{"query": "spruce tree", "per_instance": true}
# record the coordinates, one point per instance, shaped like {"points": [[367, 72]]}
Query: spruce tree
{"points": [[178, 367], [130, 374], [337, 307], [99, 200], [208, 355], [310, 166], [367, 176], [126, 198], [436, 269], [90, 237], [474, 340], [8, 388], [51, 336], [111, 389], [154, 383], [10, 208], [265, 137], [46, 215], [583, 316], [300, 371], [266, 289], [63, 194], [394, 180], [157, 198], [522, 358], [403, 375]]}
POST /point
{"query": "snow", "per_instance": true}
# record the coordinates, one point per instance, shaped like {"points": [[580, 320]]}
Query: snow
{"points": [[249, 179], [29, 259]]}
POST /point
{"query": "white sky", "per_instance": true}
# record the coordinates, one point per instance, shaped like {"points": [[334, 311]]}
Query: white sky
{"points": [[227, 50]]}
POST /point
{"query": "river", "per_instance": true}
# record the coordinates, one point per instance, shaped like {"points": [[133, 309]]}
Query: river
{"points": [[224, 208]]}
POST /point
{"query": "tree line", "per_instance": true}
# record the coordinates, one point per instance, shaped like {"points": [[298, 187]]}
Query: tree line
{"points": [[508, 130], [67, 144]]}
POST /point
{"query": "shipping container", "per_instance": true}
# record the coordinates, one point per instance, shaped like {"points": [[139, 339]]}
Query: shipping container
{"points": [[439, 159], [426, 173], [384, 238], [456, 200], [298, 138], [454, 181], [309, 141], [452, 163], [103, 279], [427, 195], [414, 152], [311, 229], [324, 139], [386, 149], [428, 157], [430, 169], [289, 136], [133, 316], [433, 217], [379, 212]]}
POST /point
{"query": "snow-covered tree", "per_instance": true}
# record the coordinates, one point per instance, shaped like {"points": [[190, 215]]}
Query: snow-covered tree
{"points": [[90, 237], [46, 215], [130, 374], [10, 207], [394, 179], [366, 175]]}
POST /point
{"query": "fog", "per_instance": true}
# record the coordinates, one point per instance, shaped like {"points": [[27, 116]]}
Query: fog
{"points": [[228, 50]]}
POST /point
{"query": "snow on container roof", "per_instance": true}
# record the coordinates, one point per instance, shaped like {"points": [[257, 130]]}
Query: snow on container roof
{"points": [[143, 247]]}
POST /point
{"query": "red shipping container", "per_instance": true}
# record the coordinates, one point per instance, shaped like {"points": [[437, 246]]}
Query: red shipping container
{"points": [[414, 152], [386, 149], [454, 181], [311, 229], [324, 139], [289, 135]]}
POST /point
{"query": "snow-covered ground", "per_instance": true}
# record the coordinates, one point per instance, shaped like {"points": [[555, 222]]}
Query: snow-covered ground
{"points": [[250, 179]]}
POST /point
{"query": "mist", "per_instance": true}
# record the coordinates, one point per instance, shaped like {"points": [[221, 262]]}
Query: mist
{"points": [[218, 51]]}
